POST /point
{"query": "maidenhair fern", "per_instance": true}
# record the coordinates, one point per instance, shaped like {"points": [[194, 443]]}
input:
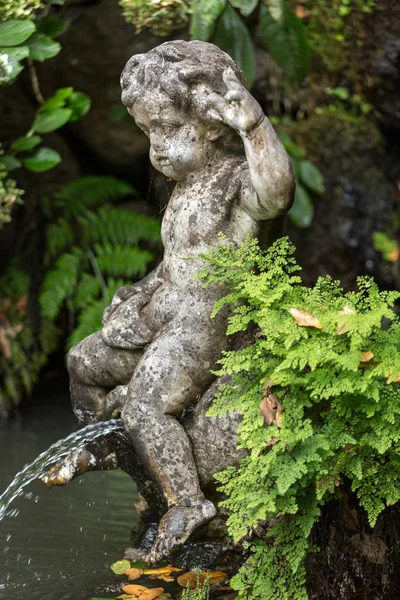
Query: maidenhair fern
{"points": [[319, 394]]}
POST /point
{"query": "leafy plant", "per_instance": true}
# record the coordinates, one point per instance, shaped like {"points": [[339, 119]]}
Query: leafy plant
{"points": [[388, 247], [223, 23], [92, 251], [318, 391], [309, 181]]}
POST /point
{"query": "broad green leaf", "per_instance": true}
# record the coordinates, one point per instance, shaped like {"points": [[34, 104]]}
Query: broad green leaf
{"points": [[246, 7], [276, 8], [58, 100], [15, 32], [286, 42], [49, 121], [79, 103], [42, 159], [26, 143], [311, 176], [120, 566], [204, 16], [296, 167], [16, 54], [302, 211], [42, 47], [233, 36], [10, 162], [51, 25]]}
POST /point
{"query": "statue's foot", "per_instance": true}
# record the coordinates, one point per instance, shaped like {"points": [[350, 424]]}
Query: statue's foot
{"points": [[177, 525], [61, 473], [77, 462]]}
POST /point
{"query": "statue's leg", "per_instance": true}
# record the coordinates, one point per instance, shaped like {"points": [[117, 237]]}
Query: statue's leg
{"points": [[95, 370], [172, 372]]}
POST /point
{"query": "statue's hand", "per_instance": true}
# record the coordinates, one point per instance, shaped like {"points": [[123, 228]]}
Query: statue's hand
{"points": [[237, 108], [122, 294]]}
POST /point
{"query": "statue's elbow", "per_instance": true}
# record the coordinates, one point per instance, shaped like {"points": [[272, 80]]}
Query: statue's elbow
{"points": [[287, 187]]}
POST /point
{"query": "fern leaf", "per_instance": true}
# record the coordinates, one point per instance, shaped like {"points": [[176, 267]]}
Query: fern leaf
{"points": [[119, 227], [91, 191], [89, 321], [59, 284], [88, 290], [122, 261], [60, 236]]}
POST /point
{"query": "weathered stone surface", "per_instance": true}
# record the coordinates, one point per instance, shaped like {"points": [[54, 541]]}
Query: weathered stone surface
{"points": [[158, 341]]}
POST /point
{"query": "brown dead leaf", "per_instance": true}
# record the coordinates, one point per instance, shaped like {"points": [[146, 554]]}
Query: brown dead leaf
{"points": [[302, 13], [21, 306], [272, 442], [366, 356], [135, 590], [396, 379], [304, 318], [271, 409], [192, 578], [133, 573], [165, 578], [5, 346], [162, 571], [394, 254], [151, 593]]}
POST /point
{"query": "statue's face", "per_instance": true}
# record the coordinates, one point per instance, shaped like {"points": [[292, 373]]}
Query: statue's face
{"points": [[180, 145]]}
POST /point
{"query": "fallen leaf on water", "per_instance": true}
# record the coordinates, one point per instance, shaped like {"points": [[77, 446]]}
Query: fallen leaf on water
{"points": [[151, 594], [192, 578], [162, 571], [165, 578], [133, 573], [134, 589], [304, 318], [125, 597], [120, 566]]}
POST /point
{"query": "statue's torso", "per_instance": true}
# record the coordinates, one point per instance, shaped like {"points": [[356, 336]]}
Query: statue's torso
{"points": [[195, 215]]}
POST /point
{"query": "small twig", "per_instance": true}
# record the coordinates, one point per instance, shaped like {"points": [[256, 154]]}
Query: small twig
{"points": [[35, 81], [98, 274]]}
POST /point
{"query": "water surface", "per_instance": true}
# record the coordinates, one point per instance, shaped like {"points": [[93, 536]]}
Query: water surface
{"points": [[61, 542]]}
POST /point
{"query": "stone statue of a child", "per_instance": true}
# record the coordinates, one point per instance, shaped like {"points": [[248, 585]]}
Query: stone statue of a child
{"points": [[158, 341]]}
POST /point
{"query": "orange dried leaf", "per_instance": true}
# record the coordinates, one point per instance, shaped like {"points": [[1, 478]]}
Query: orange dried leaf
{"points": [[151, 594], [135, 590], [133, 573], [165, 578], [162, 571], [271, 409], [192, 578], [366, 356], [304, 318], [393, 256]]}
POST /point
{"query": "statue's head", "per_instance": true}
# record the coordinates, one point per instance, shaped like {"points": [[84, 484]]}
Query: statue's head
{"points": [[166, 91]]}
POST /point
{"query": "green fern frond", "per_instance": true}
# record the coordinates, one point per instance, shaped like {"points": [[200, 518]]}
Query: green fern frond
{"points": [[122, 261], [49, 336], [59, 284], [90, 192], [60, 236], [119, 227], [87, 290], [89, 321], [14, 282]]}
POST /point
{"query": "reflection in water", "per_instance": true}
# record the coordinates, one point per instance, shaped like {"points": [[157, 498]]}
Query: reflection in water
{"points": [[63, 540]]}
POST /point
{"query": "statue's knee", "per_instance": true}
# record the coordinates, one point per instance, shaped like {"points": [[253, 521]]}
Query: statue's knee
{"points": [[76, 364]]}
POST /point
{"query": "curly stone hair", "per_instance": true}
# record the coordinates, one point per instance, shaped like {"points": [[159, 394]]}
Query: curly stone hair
{"points": [[187, 72]]}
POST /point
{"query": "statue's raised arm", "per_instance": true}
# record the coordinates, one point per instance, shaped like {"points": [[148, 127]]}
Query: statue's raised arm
{"points": [[269, 189]]}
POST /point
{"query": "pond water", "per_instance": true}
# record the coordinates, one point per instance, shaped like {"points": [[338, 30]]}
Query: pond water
{"points": [[61, 541]]}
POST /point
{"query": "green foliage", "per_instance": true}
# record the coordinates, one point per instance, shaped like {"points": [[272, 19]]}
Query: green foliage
{"points": [[232, 36], [285, 38], [201, 592], [335, 375], [10, 194], [161, 17], [221, 22], [309, 179], [18, 9], [388, 247], [90, 253]]}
